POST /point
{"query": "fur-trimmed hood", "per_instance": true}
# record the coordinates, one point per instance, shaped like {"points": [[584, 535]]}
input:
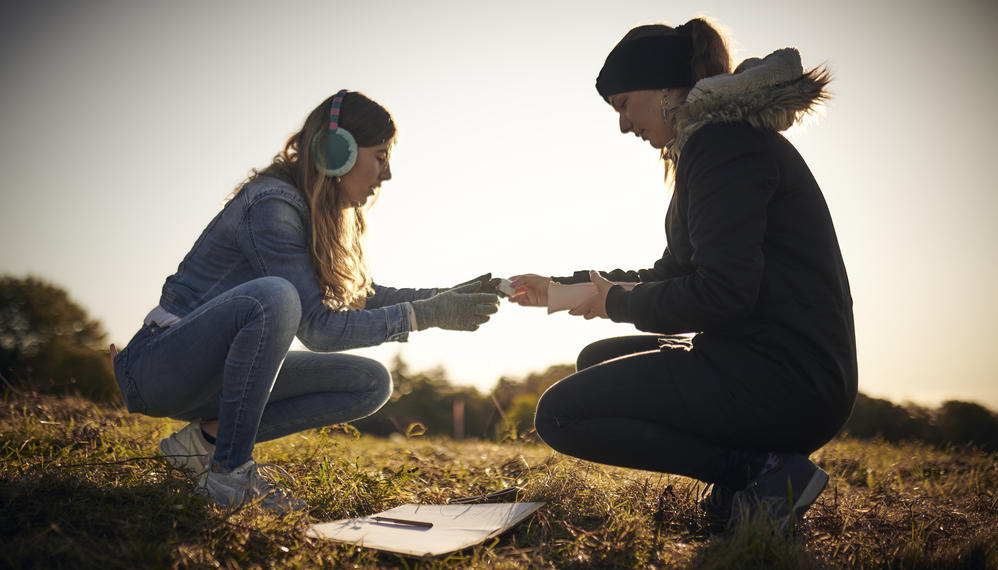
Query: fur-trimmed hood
{"points": [[770, 93]]}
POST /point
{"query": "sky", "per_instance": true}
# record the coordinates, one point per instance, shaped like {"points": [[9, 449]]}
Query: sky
{"points": [[124, 124]]}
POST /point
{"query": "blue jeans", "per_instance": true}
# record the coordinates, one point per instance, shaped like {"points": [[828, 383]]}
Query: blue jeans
{"points": [[229, 360]]}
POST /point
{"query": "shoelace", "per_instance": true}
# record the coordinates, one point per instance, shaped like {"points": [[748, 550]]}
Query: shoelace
{"points": [[273, 471], [267, 473]]}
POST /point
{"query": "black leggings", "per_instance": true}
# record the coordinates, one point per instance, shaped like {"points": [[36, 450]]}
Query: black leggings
{"points": [[704, 413]]}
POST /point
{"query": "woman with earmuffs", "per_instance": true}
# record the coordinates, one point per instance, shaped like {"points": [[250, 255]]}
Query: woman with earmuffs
{"points": [[282, 259], [752, 268]]}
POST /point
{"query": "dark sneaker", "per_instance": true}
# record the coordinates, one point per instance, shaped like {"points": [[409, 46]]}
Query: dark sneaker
{"points": [[786, 490], [716, 505], [244, 485]]}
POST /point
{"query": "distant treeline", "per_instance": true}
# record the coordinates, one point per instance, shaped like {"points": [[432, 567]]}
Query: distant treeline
{"points": [[49, 344], [429, 402], [952, 423]]}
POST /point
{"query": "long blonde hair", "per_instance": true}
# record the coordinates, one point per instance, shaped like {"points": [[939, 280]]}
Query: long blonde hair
{"points": [[337, 228]]}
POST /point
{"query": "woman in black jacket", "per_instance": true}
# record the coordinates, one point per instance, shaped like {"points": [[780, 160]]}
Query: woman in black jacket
{"points": [[752, 267]]}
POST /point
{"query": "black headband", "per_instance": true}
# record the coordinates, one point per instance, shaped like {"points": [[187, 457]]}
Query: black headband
{"points": [[651, 62]]}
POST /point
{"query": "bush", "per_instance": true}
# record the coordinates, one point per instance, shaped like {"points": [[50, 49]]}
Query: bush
{"points": [[48, 342]]}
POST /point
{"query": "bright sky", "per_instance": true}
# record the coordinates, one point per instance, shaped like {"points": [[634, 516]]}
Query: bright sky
{"points": [[125, 124]]}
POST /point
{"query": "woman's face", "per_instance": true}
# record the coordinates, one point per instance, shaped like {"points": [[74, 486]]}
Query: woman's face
{"points": [[365, 178], [641, 113]]}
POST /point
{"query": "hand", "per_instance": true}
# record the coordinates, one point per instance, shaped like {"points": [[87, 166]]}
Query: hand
{"points": [[594, 306], [531, 290], [458, 309], [485, 284]]}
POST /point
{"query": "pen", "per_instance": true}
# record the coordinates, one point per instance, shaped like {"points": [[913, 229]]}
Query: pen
{"points": [[404, 521]]}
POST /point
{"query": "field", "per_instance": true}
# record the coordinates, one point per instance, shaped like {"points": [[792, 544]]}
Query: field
{"points": [[81, 486]]}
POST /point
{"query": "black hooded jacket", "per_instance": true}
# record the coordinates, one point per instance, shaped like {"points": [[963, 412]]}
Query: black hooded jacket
{"points": [[753, 263]]}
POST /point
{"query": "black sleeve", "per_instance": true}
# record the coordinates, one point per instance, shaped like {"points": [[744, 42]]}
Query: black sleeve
{"points": [[729, 179], [664, 268]]}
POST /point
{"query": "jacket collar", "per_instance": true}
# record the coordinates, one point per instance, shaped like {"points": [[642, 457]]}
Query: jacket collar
{"points": [[771, 93]]}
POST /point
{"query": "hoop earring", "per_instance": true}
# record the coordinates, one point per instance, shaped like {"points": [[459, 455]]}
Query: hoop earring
{"points": [[665, 108]]}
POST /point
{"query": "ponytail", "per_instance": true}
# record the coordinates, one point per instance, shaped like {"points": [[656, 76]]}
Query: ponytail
{"points": [[710, 51]]}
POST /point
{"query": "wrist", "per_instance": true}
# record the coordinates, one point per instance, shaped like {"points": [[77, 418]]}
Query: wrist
{"points": [[616, 304], [413, 321], [421, 316]]}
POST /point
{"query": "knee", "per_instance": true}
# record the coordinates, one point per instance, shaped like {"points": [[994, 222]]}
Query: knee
{"points": [[546, 422], [590, 356], [379, 387], [382, 386], [280, 300]]}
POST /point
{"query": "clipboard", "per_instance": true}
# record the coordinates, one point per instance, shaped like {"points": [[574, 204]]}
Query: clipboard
{"points": [[426, 530]]}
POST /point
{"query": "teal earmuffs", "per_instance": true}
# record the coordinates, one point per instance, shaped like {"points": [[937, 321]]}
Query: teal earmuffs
{"points": [[336, 152]]}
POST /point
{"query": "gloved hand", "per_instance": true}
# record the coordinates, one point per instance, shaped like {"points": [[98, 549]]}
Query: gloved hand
{"points": [[485, 284], [457, 309]]}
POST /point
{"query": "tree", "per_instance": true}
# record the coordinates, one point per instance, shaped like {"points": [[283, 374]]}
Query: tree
{"points": [[876, 417], [49, 343], [967, 422]]}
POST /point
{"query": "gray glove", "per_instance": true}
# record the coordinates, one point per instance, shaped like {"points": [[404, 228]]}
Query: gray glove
{"points": [[457, 309], [483, 284]]}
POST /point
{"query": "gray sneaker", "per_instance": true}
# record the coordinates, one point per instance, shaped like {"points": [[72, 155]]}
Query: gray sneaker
{"points": [[187, 449], [243, 485], [787, 490]]}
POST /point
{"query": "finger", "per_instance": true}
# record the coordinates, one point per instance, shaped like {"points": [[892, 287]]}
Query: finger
{"points": [[483, 280], [486, 309], [526, 301], [478, 282], [467, 288], [597, 279], [525, 279], [521, 298], [483, 298]]}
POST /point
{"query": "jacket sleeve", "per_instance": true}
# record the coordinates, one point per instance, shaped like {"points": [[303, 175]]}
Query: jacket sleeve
{"points": [[273, 238], [730, 180], [664, 268]]}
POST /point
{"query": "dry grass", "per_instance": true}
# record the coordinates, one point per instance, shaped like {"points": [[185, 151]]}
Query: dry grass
{"points": [[81, 486]]}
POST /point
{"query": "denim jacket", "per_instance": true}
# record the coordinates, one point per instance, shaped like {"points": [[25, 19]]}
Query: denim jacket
{"points": [[265, 231]]}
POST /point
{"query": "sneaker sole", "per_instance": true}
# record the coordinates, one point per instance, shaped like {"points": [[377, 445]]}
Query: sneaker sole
{"points": [[811, 491], [814, 488]]}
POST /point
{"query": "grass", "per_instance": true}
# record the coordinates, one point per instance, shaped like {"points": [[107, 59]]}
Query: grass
{"points": [[81, 486]]}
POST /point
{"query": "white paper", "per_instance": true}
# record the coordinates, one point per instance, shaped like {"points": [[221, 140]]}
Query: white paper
{"points": [[506, 286], [562, 297], [454, 527]]}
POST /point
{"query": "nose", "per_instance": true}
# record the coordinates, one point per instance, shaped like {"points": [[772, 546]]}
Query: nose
{"points": [[625, 124], [386, 174]]}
